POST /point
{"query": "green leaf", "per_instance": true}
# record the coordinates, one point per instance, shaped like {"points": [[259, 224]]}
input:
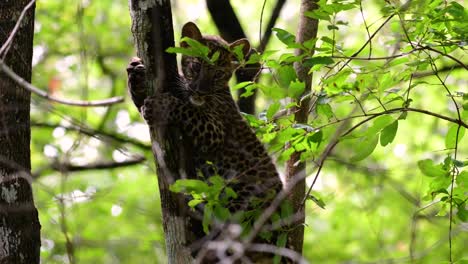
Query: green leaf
{"points": [[197, 46], [286, 37], [183, 51], [195, 49], [249, 90], [310, 44], [238, 52], [439, 186], [286, 74], [216, 180], [215, 57], [365, 146], [254, 58], [272, 110], [280, 243], [272, 91], [428, 168], [318, 14], [286, 209], [230, 193], [296, 88], [334, 83], [194, 202], [313, 62], [451, 137], [316, 137], [319, 60], [222, 213], [318, 201], [207, 218], [462, 212], [314, 140], [241, 85], [388, 133], [379, 123], [188, 186], [268, 53], [462, 179], [325, 110]]}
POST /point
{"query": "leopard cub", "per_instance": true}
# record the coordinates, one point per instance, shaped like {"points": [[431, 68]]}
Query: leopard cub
{"points": [[207, 115]]}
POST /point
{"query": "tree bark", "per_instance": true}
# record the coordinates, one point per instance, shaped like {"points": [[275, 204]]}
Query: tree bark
{"points": [[153, 34], [19, 224], [294, 168]]}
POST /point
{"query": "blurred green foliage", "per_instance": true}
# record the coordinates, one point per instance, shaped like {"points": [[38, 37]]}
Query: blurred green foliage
{"points": [[384, 191]]}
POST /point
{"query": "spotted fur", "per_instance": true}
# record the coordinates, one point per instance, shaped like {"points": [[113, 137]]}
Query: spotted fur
{"points": [[222, 140]]}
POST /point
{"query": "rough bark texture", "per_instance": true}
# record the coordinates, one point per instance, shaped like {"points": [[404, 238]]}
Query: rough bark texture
{"points": [[294, 169], [153, 34], [19, 223]]}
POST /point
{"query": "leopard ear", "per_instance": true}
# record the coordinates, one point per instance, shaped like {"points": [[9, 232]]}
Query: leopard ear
{"points": [[245, 47], [190, 30]]}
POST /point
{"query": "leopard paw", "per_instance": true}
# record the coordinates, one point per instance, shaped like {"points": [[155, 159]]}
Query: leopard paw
{"points": [[147, 110], [136, 71]]}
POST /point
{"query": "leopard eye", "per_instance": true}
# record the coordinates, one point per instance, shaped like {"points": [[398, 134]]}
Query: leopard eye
{"points": [[219, 74]]}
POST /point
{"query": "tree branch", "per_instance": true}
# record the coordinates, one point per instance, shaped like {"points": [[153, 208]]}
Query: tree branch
{"points": [[26, 85], [440, 70], [295, 169], [94, 133], [104, 165]]}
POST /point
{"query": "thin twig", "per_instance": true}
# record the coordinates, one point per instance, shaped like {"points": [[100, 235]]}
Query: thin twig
{"points": [[95, 133], [366, 26], [106, 165], [261, 21], [271, 23], [26, 85], [6, 46], [285, 252]]}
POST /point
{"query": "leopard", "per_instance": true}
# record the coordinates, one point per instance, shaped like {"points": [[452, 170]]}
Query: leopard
{"points": [[223, 143]]}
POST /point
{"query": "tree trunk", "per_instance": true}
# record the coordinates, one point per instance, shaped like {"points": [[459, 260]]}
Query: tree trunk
{"points": [[19, 224], [153, 34], [294, 169]]}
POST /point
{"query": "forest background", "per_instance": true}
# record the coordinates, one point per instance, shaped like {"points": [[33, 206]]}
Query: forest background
{"points": [[392, 191]]}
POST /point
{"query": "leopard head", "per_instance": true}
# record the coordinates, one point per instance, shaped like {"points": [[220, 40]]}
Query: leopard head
{"points": [[204, 77]]}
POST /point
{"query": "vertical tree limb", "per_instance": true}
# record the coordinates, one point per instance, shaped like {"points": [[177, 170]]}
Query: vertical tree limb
{"points": [[307, 30], [153, 33], [230, 29], [19, 223]]}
